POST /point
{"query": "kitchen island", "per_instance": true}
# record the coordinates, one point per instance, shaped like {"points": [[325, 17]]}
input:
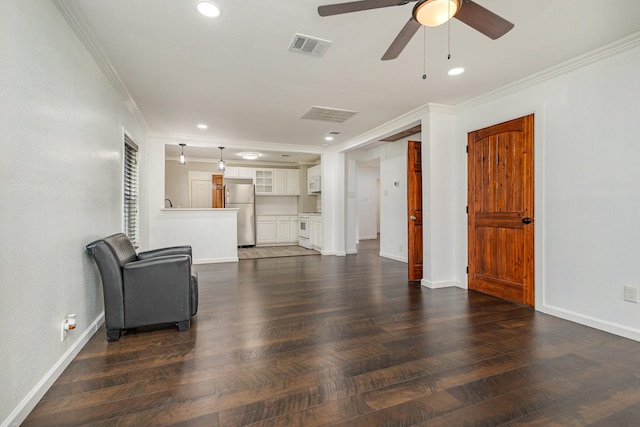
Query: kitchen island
{"points": [[212, 233]]}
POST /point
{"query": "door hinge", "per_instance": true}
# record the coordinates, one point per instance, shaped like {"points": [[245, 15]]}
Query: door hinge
{"points": [[467, 269], [467, 208], [467, 148]]}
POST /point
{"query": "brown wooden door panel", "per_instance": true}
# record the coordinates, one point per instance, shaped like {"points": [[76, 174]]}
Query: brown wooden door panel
{"points": [[414, 208], [217, 192], [500, 196], [492, 243]]}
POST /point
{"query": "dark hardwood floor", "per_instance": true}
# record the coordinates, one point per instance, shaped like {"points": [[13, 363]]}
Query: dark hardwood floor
{"points": [[316, 341]]}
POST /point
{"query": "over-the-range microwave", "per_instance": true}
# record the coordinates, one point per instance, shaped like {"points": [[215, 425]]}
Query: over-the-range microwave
{"points": [[315, 184]]}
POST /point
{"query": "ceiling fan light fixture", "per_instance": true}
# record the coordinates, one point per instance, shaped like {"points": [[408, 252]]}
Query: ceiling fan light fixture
{"points": [[432, 13]]}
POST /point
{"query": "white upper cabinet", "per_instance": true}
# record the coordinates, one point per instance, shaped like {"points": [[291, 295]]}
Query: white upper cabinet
{"points": [[286, 182], [264, 181], [238, 172], [314, 180]]}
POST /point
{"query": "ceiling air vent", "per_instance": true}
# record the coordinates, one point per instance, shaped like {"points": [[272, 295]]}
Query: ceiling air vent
{"points": [[328, 114], [309, 45]]}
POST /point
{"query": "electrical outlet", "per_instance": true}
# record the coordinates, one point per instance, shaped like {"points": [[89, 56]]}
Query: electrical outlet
{"points": [[631, 293], [63, 331]]}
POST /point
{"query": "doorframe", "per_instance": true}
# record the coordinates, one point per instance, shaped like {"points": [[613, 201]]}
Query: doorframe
{"points": [[538, 110]]}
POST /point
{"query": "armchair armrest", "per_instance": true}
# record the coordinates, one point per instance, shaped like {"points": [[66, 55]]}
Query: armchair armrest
{"points": [[157, 290], [173, 250]]}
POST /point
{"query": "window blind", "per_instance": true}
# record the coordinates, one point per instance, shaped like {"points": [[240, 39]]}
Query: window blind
{"points": [[131, 190]]}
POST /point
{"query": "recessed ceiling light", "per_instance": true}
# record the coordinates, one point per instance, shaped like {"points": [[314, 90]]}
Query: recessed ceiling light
{"points": [[456, 71], [208, 9], [249, 156], [328, 138], [202, 126]]}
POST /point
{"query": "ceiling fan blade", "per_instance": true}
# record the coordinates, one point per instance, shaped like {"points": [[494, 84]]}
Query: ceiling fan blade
{"points": [[357, 6], [402, 39], [483, 20]]}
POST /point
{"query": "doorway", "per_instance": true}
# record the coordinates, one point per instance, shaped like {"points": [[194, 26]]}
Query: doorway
{"points": [[501, 210]]}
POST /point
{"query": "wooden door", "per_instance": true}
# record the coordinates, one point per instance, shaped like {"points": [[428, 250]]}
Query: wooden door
{"points": [[217, 192], [500, 227], [414, 205]]}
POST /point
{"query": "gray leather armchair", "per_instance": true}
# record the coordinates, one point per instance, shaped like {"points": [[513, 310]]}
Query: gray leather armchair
{"points": [[149, 288]]}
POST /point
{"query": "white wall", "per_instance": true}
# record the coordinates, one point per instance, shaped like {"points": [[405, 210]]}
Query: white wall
{"points": [[438, 198], [351, 205], [333, 204], [587, 192], [277, 205], [367, 203], [393, 201], [61, 133]]}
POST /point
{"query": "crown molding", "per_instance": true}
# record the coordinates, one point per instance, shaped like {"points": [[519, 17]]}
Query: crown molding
{"points": [[236, 144], [619, 46], [81, 28]]}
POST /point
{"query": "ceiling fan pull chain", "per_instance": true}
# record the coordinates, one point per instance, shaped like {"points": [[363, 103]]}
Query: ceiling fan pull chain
{"points": [[424, 54], [449, 34]]}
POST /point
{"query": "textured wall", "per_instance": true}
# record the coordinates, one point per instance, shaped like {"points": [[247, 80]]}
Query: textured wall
{"points": [[368, 207], [61, 127]]}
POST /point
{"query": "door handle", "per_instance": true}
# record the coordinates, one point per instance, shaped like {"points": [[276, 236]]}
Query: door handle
{"points": [[526, 220], [413, 217]]}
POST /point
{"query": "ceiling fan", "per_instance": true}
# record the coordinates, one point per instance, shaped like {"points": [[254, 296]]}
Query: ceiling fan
{"points": [[430, 13]]}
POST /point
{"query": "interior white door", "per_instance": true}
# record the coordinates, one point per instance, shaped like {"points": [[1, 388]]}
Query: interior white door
{"points": [[200, 194]]}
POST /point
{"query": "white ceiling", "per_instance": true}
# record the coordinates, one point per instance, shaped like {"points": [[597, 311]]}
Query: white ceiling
{"points": [[237, 75]]}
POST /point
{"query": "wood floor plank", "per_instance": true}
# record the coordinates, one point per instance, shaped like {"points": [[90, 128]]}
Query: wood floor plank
{"points": [[347, 341]]}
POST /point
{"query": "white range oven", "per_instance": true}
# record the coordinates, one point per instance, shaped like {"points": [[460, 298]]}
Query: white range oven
{"points": [[303, 231]]}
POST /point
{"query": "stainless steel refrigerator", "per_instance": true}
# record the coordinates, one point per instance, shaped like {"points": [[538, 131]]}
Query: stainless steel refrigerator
{"points": [[242, 197]]}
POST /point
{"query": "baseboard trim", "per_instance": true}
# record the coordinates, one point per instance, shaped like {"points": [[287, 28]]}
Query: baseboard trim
{"points": [[393, 257], [30, 401], [335, 253], [372, 237], [592, 322], [215, 260], [441, 284]]}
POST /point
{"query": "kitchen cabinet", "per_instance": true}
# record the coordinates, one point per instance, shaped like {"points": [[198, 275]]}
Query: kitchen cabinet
{"points": [[293, 224], [293, 182], [286, 182], [266, 229], [264, 181], [314, 180], [315, 231], [284, 229], [238, 172], [276, 229]]}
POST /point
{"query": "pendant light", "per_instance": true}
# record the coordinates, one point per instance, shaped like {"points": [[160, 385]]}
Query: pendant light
{"points": [[435, 12], [221, 162], [182, 160]]}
